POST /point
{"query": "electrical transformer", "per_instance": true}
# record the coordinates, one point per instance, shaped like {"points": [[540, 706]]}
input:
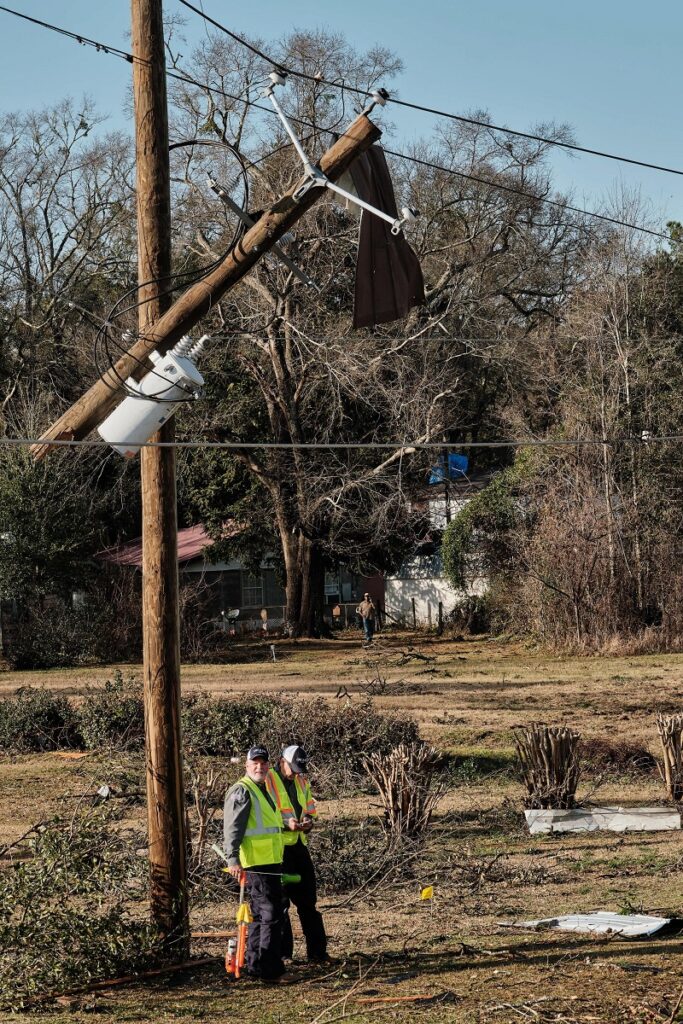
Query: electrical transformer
{"points": [[175, 379]]}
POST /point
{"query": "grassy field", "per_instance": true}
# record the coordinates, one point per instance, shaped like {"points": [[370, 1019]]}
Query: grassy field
{"points": [[455, 951]]}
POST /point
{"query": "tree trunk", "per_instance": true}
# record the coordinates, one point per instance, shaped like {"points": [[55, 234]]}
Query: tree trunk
{"points": [[305, 586]]}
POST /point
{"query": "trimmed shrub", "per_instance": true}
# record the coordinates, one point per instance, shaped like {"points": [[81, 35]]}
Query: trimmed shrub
{"points": [[114, 716], [36, 719], [338, 736]]}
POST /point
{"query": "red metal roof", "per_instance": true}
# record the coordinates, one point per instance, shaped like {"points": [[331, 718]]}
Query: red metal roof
{"points": [[191, 543]]}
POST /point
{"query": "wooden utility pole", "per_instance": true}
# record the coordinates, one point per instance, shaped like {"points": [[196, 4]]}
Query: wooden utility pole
{"points": [[160, 616], [105, 393]]}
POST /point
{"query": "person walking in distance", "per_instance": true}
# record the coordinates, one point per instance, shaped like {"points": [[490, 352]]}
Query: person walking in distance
{"points": [[254, 829], [367, 611], [291, 792]]}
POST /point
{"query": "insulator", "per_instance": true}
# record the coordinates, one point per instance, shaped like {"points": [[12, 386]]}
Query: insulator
{"points": [[198, 348], [182, 347]]}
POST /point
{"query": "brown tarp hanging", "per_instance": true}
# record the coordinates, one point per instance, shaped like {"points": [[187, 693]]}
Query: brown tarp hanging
{"points": [[388, 273]]}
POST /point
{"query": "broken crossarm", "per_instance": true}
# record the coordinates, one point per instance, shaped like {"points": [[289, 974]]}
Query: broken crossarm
{"points": [[314, 177]]}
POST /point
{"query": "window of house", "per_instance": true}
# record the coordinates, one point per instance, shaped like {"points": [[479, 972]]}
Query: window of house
{"points": [[332, 585], [273, 593], [230, 589], [252, 591]]}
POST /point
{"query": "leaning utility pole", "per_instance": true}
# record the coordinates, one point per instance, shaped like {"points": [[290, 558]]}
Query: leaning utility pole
{"points": [[160, 615], [98, 401]]}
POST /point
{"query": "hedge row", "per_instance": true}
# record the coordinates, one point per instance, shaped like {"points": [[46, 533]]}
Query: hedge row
{"points": [[113, 717]]}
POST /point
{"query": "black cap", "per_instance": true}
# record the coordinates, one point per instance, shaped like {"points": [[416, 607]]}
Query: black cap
{"points": [[258, 753], [297, 758]]}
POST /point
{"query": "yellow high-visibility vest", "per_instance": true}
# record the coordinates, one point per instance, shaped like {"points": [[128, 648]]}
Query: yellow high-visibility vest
{"points": [[263, 839], [277, 790]]}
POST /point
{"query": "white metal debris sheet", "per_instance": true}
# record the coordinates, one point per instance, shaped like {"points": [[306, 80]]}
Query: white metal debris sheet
{"points": [[608, 819], [602, 922]]}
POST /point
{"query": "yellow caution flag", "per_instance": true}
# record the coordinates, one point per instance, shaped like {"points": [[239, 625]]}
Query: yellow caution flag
{"points": [[243, 915], [427, 892]]}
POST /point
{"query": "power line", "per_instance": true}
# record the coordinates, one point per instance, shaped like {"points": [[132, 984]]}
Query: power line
{"points": [[529, 195], [430, 110], [83, 40], [437, 167], [105, 48], [405, 446]]}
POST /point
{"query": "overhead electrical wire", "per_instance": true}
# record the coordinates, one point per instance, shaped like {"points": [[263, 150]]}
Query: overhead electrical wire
{"points": [[557, 203], [353, 445], [427, 110], [77, 37], [105, 48], [437, 167]]}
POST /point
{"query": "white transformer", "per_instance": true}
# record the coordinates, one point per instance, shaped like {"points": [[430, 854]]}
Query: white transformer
{"points": [[175, 379]]}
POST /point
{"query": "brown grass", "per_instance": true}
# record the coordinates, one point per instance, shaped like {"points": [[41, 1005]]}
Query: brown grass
{"points": [[484, 867]]}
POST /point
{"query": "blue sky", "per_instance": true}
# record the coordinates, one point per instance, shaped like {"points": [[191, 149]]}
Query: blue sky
{"points": [[609, 68]]}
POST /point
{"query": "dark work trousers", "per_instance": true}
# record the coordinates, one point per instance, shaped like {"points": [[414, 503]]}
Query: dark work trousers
{"points": [[303, 895], [264, 945]]}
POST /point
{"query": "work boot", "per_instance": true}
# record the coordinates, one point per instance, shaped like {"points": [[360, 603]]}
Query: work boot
{"points": [[282, 979]]}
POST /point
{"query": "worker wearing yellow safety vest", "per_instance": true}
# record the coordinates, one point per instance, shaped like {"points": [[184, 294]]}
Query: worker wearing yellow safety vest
{"points": [[254, 830], [291, 791]]}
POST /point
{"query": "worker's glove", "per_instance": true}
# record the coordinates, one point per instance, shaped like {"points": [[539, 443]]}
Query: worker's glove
{"points": [[306, 823]]}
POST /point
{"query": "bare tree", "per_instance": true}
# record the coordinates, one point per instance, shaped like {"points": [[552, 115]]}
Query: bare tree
{"points": [[65, 234], [303, 374]]}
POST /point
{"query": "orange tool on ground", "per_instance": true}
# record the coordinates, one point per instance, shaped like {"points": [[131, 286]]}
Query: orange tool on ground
{"points": [[237, 949], [236, 954]]}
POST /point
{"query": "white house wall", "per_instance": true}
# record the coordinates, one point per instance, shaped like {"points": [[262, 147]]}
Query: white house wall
{"points": [[399, 595], [421, 578]]}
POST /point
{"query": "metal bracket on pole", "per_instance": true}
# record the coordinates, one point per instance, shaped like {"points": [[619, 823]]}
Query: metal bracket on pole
{"points": [[228, 201], [314, 177], [378, 99]]}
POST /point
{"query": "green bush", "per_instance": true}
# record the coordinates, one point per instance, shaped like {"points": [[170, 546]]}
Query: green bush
{"points": [[471, 615], [59, 637], [221, 726], [63, 915], [114, 716], [36, 719], [337, 736]]}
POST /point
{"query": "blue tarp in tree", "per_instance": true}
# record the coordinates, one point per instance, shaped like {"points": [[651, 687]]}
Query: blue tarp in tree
{"points": [[449, 467]]}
